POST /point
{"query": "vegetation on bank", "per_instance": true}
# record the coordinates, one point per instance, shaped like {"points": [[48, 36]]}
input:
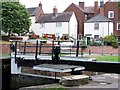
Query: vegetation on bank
{"points": [[106, 41], [107, 58], [4, 42]]}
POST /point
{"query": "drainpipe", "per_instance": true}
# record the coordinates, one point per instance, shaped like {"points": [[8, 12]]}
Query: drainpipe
{"points": [[68, 29], [108, 28]]}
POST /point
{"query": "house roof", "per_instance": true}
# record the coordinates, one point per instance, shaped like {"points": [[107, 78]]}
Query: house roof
{"points": [[59, 17], [99, 18], [89, 9], [32, 11]]}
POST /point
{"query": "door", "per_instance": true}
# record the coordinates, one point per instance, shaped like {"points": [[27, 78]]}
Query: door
{"points": [[88, 40]]}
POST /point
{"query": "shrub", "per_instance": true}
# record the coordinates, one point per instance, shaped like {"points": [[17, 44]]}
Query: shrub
{"points": [[83, 43], [95, 43], [111, 41]]}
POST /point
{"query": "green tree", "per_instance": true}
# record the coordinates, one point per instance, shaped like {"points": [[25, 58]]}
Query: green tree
{"points": [[119, 4], [15, 18]]}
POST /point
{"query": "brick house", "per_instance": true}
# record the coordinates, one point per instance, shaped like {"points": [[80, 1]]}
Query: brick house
{"points": [[109, 9], [79, 13], [112, 11], [82, 13]]}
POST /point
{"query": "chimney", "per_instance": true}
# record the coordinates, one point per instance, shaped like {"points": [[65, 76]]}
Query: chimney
{"points": [[109, 1], [55, 11], [81, 4], [39, 11], [95, 6], [40, 5], [101, 3]]}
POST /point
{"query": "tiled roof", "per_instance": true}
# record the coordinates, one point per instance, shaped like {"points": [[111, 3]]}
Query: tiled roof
{"points": [[60, 17], [89, 9], [99, 18], [32, 11], [79, 8]]}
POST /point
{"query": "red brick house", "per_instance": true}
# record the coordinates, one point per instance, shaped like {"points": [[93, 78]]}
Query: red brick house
{"points": [[82, 13], [112, 11], [109, 9], [79, 13]]}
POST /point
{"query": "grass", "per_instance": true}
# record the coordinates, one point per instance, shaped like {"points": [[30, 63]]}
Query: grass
{"points": [[4, 42], [105, 58]]}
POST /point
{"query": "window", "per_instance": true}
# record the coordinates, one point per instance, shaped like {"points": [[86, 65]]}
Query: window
{"points": [[111, 14], [118, 26], [96, 36], [96, 26], [59, 24], [42, 25]]}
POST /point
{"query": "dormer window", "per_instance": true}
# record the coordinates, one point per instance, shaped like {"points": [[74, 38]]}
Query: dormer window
{"points": [[111, 14]]}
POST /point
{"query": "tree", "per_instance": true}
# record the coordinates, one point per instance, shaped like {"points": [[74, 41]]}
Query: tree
{"points": [[119, 4], [15, 18]]}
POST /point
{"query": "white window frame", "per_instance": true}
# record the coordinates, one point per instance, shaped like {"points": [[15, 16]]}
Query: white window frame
{"points": [[109, 14], [118, 28], [96, 26], [96, 37], [42, 25], [58, 24]]}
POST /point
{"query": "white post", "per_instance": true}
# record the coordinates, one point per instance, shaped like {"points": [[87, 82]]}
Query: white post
{"points": [[14, 68], [102, 40]]}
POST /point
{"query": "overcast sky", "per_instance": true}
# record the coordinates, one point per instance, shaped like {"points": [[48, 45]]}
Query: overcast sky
{"points": [[60, 4]]}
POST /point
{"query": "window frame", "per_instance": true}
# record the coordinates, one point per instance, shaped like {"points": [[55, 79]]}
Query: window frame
{"points": [[96, 37], [58, 24], [109, 14], [96, 26], [118, 26], [42, 25]]}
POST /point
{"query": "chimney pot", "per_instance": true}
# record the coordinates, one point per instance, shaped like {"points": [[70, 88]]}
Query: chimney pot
{"points": [[81, 4], [102, 3], [40, 5]]}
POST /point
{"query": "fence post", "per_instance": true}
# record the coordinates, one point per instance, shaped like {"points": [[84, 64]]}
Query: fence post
{"points": [[24, 48], [15, 51], [36, 53], [52, 48], [58, 42], [40, 47], [77, 51]]}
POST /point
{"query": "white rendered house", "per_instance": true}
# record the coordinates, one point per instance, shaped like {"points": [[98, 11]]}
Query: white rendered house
{"points": [[58, 24], [35, 13], [98, 26]]}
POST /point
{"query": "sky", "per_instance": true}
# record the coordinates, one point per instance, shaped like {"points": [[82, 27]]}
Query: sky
{"points": [[60, 4]]}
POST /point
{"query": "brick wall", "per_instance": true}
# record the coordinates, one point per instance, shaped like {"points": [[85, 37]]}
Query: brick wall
{"points": [[93, 49], [99, 49], [5, 49]]}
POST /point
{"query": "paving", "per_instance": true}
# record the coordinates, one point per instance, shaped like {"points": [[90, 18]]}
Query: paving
{"points": [[107, 80]]}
